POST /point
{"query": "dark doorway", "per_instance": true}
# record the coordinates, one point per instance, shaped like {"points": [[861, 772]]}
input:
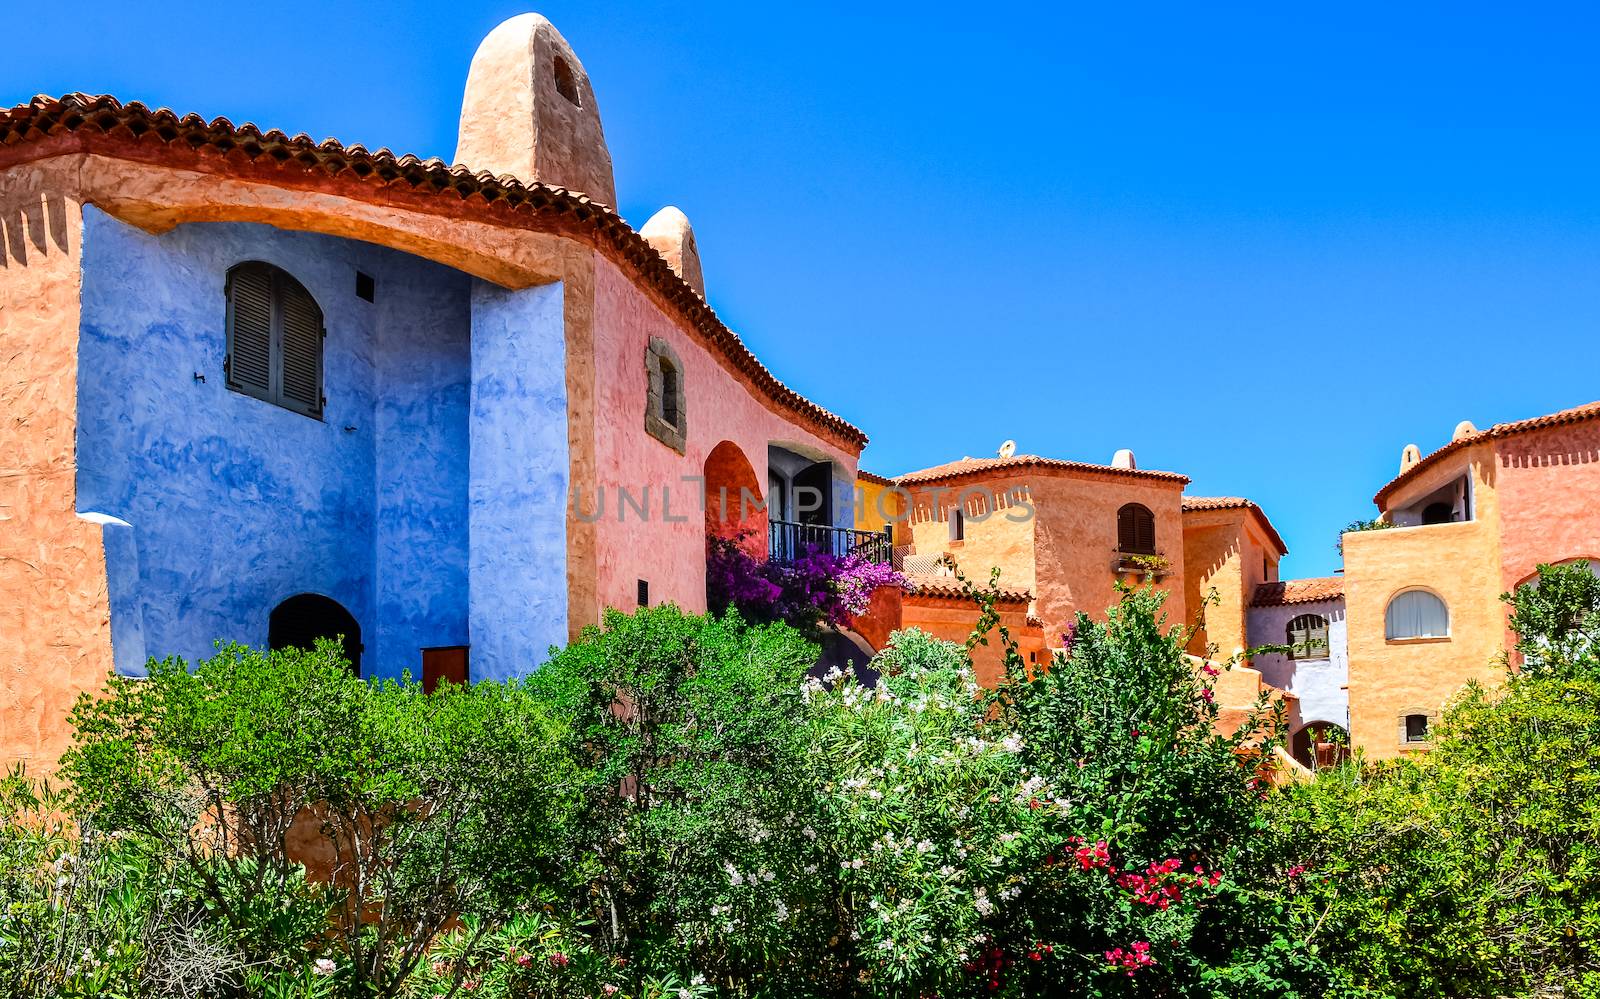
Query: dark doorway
{"points": [[299, 621], [818, 477], [1321, 744]]}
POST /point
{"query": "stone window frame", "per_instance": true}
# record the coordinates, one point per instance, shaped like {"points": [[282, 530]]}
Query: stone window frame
{"points": [[658, 353], [1434, 716]]}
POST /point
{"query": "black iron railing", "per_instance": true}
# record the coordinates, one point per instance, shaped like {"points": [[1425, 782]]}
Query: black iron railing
{"points": [[788, 541]]}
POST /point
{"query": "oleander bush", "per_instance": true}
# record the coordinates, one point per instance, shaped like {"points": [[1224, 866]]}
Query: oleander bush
{"points": [[673, 809]]}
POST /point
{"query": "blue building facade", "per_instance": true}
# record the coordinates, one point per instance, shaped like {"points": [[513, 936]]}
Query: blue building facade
{"points": [[429, 501]]}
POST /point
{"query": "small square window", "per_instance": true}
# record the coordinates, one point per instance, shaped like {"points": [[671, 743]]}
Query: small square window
{"points": [[1416, 728], [366, 286]]}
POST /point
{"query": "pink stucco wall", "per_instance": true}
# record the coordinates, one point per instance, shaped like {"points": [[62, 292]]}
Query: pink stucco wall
{"points": [[1548, 482], [720, 406]]}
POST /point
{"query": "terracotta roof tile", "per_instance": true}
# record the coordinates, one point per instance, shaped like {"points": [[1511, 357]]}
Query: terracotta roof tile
{"points": [[1577, 414], [976, 466], [1298, 591], [947, 587], [1200, 503], [104, 125], [873, 477]]}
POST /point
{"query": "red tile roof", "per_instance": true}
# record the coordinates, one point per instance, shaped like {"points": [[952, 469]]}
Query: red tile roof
{"points": [[978, 466], [1199, 503], [948, 587], [1298, 591], [104, 125], [873, 477], [1577, 414]]}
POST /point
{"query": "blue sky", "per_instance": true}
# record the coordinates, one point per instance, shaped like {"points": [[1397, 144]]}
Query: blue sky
{"points": [[1264, 247]]}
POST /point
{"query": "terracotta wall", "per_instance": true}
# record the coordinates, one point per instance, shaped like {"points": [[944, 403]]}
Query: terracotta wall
{"points": [[1548, 482], [55, 637], [666, 544], [1461, 564], [953, 620], [1075, 536], [999, 527], [1222, 551]]}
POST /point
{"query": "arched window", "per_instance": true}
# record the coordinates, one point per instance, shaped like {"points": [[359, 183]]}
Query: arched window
{"points": [[665, 411], [275, 336], [1136, 530], [1416, 614], [1308, 637]]}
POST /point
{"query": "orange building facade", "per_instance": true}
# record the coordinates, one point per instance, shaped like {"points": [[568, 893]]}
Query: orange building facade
{"points": [[1472, 520]]}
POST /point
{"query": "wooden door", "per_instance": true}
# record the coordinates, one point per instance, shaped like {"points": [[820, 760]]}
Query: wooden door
{"points": [[445, 664]]}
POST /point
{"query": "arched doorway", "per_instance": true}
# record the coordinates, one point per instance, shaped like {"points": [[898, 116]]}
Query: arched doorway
{"points": [[734, 500], [841, 648], [299, 621], [1320, 744]]}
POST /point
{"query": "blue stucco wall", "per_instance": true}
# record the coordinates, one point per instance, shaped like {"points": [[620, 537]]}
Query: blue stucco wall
{"points": [[518, 479], [233, 504]]}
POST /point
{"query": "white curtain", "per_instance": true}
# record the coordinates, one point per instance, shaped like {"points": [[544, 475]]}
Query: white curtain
{"points": [[1417, 614]]}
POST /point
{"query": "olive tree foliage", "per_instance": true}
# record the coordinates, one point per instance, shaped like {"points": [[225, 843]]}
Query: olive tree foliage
{"points": [[252, 766]]}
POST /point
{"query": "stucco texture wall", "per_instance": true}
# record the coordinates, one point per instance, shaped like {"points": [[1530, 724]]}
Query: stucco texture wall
{"points": [[665, 545], [877, 506], [1318, 682], [235, 504], [1461, 564], [953, 621], [1222, 552], [55, 637], [1076, 539], [518, 479], [1548, 484], [998, 526]]}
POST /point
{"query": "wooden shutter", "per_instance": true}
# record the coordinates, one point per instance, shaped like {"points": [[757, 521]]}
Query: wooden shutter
{"points": [[250, 329], [1308, 637], [1136, 530], [302, 347]]}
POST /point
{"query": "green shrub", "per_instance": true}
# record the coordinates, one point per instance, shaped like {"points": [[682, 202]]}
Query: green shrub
{"points": [[421, 807], [1473, 870], [688, 733]]}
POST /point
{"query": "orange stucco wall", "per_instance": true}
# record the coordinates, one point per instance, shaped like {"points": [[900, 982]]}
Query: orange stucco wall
{"points": [[999, 536], [1460, 563], [1076, 538], [953, 620], [719, 406], [1223, 551], [55, 639], [1054, 534]]}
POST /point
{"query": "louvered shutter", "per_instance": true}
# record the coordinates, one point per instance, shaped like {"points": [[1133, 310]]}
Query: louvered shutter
{"points": [[250, 330], [1308, 637], [1136, 530], [1146, 522], [302, 347]]}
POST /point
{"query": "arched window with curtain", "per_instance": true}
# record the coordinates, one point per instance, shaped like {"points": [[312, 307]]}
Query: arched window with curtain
{"points": [[1136, 530], [1308, 637], [1416, 614], [275, 336]]}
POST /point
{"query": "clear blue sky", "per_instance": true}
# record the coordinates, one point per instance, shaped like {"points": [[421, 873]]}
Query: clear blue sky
{"points": [[1263, 247]]}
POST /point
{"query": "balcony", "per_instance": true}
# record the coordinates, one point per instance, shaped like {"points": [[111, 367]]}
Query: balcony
{"points": [[787, 541], [1151, 565]]}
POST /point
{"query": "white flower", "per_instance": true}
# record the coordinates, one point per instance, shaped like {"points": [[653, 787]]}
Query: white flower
{"points": [[926, 846], [685, 994], [734, 877], [323, 966], [698, 980], [809, 832], [1012, 743]]}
